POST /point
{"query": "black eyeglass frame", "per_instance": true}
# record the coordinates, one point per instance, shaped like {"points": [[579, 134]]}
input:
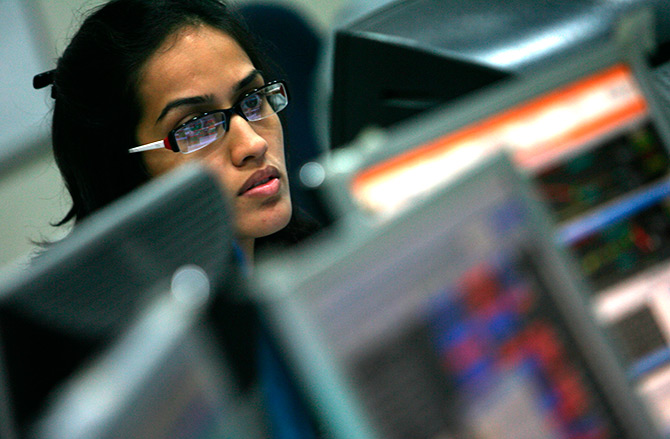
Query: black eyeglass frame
{"points": [[170, 141]]}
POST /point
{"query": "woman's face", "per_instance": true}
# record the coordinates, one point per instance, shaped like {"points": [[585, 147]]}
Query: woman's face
{"points": [[201, 69]]}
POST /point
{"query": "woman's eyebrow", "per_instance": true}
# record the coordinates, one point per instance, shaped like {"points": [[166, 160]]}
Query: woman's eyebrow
{"points": [[244, 82], [193, 100], [197, 100]]}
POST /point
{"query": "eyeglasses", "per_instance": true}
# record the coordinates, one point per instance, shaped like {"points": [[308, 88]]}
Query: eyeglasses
{"points": [[206, 128]]}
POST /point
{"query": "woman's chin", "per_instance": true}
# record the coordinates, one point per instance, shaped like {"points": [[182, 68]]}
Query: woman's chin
{"points": [[266, 223]]}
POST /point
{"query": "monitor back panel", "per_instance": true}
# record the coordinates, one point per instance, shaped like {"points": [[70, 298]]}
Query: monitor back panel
{"points": [[83, 290], [163, 377]]}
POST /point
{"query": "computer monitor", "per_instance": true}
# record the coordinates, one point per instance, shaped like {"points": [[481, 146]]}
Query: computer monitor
{"points": [[591, 132], [459, 317], [413, 55], [83, 291], [571, 107], [163, 377]]}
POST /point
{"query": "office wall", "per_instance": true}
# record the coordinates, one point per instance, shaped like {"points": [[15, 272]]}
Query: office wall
{"points": [[61, 17], [32, 35], [30, 188]]}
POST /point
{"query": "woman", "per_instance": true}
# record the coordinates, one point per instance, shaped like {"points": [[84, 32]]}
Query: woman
{"points": [[148, 85], [139, 71]]}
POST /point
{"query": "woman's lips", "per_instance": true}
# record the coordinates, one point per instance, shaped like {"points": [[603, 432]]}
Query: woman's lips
{"points": [[264, 190], [263, 183]]}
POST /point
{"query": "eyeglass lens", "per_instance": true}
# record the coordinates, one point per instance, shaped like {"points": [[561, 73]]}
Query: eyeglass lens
{"points": [[204, 130]]}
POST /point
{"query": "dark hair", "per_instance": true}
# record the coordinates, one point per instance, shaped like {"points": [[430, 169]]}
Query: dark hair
{"points": [[97, 110]]}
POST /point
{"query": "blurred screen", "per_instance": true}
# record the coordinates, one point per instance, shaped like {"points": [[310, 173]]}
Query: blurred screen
{"points": [[458, 335], [541, 133], [593, 150]]}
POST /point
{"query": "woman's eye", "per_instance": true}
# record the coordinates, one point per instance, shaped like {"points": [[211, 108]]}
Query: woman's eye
{"points": [[251, 102]]}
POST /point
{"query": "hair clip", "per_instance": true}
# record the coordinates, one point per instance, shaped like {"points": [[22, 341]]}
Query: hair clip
{"points": [[45, 79]]}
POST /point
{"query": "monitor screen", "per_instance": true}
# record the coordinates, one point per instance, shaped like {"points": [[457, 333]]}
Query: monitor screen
{"points": [[590, 117], [457, 318]]}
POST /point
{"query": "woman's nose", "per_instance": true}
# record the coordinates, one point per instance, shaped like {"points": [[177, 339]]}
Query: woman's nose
{"points": [[245, 143]]}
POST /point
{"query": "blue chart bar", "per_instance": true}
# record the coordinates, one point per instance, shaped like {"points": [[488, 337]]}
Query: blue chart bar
{"points": [[628, 206]]}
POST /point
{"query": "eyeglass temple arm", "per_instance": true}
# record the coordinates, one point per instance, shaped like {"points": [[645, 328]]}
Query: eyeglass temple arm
{"points": [[150, 146]]}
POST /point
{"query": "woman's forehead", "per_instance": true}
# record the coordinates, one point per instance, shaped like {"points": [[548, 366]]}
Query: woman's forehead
{"points": [[193, 61]]}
